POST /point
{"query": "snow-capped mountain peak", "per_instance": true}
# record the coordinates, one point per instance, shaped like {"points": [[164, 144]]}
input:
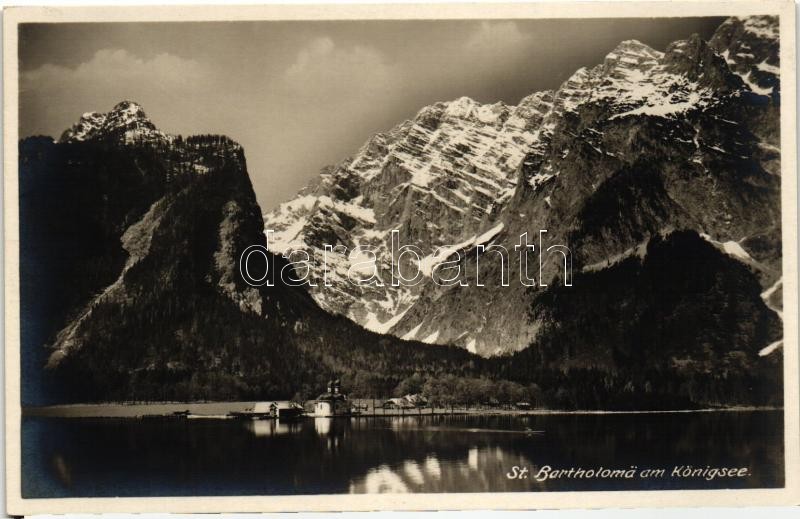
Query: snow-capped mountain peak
{"points": [[632, 52], [468, 109], [455, 161], [750, 47], [126, 122]]}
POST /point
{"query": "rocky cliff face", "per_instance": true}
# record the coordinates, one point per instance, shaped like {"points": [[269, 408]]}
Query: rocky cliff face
{"points": [[436, 179], [130, 246], [643, 144]]}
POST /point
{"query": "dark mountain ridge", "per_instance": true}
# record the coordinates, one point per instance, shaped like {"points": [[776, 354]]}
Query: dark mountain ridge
{"points": [[130, 275]]}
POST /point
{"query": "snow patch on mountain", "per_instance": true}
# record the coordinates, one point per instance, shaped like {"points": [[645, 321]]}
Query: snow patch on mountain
{"points": [[126, 122], [371, 322], [428, 263], [412, 333], [731, 248], [431, 339], [665, 107], [766, 296]]}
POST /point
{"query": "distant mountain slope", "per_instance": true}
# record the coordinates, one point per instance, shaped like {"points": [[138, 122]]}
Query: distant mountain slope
{"points": [[675, 323], [643, 143]]}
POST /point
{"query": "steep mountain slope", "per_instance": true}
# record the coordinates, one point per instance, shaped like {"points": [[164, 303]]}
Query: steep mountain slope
{"points": [[436, 179], [640, 145], [608, 339], [130, 242]]}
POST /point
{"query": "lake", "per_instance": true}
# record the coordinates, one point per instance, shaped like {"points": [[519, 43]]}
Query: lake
{"points": [[83, 457]]}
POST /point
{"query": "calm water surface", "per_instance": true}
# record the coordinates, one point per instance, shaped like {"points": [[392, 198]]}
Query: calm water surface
{"points": [[170, 457]]}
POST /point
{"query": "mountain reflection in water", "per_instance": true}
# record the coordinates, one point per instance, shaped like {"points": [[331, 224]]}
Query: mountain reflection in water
{"points": [[161, 457]]}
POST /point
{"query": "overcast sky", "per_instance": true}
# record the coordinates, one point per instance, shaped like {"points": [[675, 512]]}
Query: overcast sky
{"points": [[301, 95]]}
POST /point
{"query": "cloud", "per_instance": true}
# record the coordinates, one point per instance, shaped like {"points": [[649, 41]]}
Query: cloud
{"points": [[319, 48], [496, 39], [113, 67], [53, 96], [322, 68]]}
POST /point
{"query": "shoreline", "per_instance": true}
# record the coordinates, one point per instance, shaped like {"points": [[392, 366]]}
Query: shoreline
{"points": [[221, 410]]}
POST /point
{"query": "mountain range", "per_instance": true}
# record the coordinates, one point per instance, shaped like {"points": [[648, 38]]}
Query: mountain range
{"points": [[659, 171], [638, 146]]}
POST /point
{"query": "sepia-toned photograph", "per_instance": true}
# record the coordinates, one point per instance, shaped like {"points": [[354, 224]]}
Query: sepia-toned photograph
{"points": [[319, 259]]}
